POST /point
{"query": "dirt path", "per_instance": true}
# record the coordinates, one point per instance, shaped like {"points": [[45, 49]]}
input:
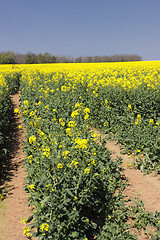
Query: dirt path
{"points": [[146, 187], [14, 207]]}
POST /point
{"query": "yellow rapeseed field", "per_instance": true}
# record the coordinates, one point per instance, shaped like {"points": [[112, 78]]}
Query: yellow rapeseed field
{"points": [[126, 74]]}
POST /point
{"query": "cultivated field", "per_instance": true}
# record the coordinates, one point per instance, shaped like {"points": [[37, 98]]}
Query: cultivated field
{"points": [[75, 186]]}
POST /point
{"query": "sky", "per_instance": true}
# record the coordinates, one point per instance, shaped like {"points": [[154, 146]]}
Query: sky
{"points": [[81, 27]]}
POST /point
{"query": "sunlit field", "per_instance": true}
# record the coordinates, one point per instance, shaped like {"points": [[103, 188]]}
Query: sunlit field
{"points": [[60, 105]]}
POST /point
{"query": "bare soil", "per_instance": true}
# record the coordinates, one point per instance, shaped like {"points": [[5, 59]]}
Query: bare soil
{"points": [[146, 187], [15, 206], [140, 186]]}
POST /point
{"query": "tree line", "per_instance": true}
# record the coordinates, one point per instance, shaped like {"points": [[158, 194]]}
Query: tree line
{"points": [[31, 58]]}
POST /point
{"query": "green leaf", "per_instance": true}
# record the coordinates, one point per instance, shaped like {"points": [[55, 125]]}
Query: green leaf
{"points": [[75, 234]]}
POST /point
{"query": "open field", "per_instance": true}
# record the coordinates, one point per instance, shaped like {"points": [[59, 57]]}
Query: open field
{"points": [[76, 187]]}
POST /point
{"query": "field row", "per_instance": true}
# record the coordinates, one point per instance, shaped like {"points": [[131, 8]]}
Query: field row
{"points": [[74, 185]]}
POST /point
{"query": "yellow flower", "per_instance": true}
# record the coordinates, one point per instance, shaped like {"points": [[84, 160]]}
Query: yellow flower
{"points": [[60, 165], [64, 88], [106, 103], [95, 136], [1, 197], [75, 163], [78, 105], [23, 221], [47, 107], [36, 124], [44, 227], [74, 114], [41, 134], [129, 107], [65, 153], [19, 126], [139, 119], [32, 113], [72, 124], [86, 116], [86, 110], [31, 186], [16, 111], [46, 152], [30, 157], [32, 139], [151, 121], [25, 102], [68, 131], [129, 164], [31, 123], [27, 231], [87, 170], [61, 121], [81, 143]]}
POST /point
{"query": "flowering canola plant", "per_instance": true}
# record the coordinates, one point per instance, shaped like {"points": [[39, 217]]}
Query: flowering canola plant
{"points": [[74, 185]]}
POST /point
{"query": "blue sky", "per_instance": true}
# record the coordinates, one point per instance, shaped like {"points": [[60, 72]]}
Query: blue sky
{"points": [[81, 27]]}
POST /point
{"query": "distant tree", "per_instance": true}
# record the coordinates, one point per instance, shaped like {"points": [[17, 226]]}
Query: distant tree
{"points": [[48, 58], [41, 58], [78, 59], [54, 60], [30, 58], [7, 57], [11, 57], [89, 59]]}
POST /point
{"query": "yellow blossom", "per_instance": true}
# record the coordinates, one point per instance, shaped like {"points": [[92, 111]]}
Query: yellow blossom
{"points": [[151, 121], [129, 107], [72, 124], [32, 139], [47, 107], [139, 119], [1, 197], [74, 114], [86, 110], [31, 186], [68, 131], [23, 221], [25, 102], [75, 163], [61, 121], [27, 231], [81, 143], [60, 165], [16, 111], [44, 227], [65, 153], [87, 170], [86, 116]]}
